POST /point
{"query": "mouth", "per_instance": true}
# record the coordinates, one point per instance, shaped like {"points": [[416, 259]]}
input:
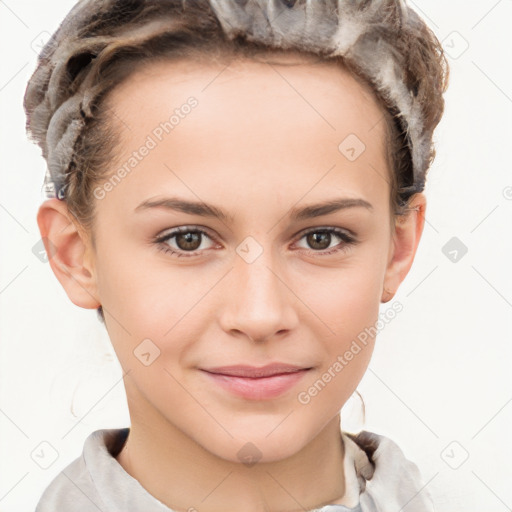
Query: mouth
{"points": [[257, 383]]}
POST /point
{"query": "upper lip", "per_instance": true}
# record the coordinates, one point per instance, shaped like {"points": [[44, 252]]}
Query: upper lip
{"points": [[241, 370]]}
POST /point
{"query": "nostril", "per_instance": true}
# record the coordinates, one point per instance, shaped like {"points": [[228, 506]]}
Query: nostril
{"points": [[289, 3]]}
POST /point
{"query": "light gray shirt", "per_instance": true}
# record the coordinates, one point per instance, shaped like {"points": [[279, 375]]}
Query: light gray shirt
{"points": [[378, 478]]}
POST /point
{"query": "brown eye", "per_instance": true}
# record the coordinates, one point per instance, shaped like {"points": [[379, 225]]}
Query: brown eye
{"points": [[183, 241], [188, 241], [319, 240]]}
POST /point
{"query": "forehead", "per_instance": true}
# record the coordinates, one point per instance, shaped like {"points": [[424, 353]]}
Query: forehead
{"points": [[254, 120], [280, 72]]}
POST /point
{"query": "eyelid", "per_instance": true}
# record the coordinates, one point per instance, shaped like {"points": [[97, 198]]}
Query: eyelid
{"points": [[184, 229], [348, 232]]}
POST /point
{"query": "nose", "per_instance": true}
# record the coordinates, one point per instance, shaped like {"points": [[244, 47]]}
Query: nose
{"points": [[258, 302]]}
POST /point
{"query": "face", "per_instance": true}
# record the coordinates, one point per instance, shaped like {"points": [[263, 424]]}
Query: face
{"points": [[272, 277]]}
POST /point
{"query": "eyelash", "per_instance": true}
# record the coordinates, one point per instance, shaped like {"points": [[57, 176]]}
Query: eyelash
{"points": [[347, 241]]}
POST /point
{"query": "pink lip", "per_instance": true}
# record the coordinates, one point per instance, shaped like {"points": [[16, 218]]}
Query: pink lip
{"points": [[257, 383]]}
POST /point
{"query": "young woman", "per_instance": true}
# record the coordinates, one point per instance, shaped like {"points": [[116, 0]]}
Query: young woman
{"points": [[236, 186]]}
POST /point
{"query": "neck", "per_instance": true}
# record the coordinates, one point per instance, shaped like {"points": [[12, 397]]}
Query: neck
{"points": [[184, 476]]}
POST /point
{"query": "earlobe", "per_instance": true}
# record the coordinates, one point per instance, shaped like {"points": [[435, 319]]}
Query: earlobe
{"points": [[67, 249], [406, 238]]}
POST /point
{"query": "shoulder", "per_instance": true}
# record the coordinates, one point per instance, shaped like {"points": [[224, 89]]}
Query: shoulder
{"points": [[387, 478], [74, 488]]}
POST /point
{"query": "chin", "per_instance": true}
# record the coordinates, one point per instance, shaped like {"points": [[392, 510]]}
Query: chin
{"points": [[251, 446]]}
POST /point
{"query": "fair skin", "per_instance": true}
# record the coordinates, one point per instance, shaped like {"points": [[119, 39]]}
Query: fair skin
{"points": [[256, 149]]}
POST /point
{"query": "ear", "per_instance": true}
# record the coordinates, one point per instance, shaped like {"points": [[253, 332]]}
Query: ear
{"points": [[68, 250], [406, 237]]}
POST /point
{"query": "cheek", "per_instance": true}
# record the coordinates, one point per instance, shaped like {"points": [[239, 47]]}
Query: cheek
{"points": [[344, 299], [345, 302], [139, 289], [144, 299], [349, 308]]}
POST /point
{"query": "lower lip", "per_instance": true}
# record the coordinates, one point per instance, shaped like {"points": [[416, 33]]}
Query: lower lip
{"points": [[262, 388]]}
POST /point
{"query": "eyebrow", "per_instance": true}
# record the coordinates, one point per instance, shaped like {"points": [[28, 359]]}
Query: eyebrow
{"points": [[297, 214]]}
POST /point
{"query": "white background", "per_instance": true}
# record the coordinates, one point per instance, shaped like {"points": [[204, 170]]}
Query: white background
{"points": [[439, 382]]}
